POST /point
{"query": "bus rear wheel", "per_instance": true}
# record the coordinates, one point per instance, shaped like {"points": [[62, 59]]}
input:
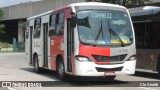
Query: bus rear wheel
{"points": [[159, 72], [37, 69], [158, 67], [60, 70]]}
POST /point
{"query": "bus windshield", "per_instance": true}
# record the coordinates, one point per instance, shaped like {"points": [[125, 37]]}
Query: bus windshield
{"points": [[104, 27]]}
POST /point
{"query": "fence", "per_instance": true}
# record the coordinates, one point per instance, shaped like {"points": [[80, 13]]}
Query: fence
{"points": [[18, 46]]}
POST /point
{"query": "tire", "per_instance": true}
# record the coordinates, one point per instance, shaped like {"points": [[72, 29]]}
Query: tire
{"points": [[110, 78], [37, 69], [60, 70], [158, 66], [158, 69], [159, 73]]}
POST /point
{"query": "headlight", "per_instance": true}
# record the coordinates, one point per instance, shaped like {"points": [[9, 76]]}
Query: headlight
{"points": [[132, 58], [83, 59]]}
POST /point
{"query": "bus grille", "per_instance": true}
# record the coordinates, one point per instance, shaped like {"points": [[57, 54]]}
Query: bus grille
{"points": [[109, 59], [108, 69]]}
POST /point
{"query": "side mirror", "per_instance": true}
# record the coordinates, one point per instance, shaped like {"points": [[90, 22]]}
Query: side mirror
{"points": [[73, 19]]}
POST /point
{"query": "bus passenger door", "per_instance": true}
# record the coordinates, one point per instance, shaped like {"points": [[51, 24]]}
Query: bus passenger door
{"points": [[45, 45], [30, 46], [70, 45]]}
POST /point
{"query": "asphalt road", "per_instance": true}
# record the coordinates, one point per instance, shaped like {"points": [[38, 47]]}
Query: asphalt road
{"points": [[14, 67]]}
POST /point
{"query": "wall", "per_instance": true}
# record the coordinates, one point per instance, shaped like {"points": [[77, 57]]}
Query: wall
{"points": [[24, 10]]}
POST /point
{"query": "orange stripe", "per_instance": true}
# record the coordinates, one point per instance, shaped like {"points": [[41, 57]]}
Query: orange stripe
{"points": [[90, 50]]}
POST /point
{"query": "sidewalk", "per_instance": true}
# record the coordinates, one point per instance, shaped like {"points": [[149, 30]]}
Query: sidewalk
{"points": [[12, 53], [9, 51], [6, 49]]}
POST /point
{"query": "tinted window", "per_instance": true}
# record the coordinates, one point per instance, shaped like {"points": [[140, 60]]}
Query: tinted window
{"points": [[56, 24], [152, 35], [60, 24], [147, 35], [52, 25], [37, 28], [52, 20], [61, 18], [140, 34]]}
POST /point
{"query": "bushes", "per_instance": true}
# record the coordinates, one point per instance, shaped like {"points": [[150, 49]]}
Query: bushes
{"points": [[5, 45]]}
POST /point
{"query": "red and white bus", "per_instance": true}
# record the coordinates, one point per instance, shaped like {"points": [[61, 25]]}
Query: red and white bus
{"points": [[82, 39]]}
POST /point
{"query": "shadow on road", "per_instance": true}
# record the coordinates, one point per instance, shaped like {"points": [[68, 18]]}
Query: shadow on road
{"points": [[147, 75], [45, 73], [94, 81], [93, 84]]}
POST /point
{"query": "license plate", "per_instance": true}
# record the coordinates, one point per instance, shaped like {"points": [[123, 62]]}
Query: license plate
{"points": [[109, 74]]}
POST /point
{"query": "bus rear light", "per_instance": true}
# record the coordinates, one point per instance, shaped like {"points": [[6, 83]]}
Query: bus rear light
{"points": [[83, 59]]}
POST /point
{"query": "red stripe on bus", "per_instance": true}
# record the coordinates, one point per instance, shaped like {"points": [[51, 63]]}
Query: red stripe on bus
{"points": [[60, 9], [90, 50]]}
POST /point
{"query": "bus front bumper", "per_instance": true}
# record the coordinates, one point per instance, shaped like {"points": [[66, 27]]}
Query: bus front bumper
{"points": [[92, 69]]}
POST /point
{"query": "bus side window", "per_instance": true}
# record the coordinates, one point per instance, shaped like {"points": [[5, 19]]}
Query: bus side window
{"points": [[140, 36], [37, 28], [60, 24], [152, 35], [52, 25]]}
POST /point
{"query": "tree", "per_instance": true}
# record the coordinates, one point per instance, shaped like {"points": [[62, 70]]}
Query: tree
{"points": [[2, 26], [127, 3]]}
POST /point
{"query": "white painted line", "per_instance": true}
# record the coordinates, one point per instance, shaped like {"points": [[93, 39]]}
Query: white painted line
{"points": [[11, 88], [147, 88]]}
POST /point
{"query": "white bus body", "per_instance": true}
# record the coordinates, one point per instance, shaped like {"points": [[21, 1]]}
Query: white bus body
{"points": [[82, 39]]}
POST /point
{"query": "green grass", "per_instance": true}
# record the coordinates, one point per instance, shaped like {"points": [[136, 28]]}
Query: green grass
{"points": [[6, 51], [5, 45]]}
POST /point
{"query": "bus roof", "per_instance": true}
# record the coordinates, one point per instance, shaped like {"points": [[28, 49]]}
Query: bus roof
{"points": [[146, 10], [36, 16], [79, 4], [95, 4]]}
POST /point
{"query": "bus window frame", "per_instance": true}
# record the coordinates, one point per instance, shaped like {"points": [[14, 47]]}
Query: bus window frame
{"points": [[37, 33], [50, 22], [56, 23]]}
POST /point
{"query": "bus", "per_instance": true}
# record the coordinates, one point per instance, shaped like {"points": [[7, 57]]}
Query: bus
{"points": [[82, 39], [146, 21]]}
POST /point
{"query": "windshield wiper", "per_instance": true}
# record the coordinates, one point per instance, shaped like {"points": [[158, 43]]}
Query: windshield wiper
{"points": [[114, 33], [98, 34]]}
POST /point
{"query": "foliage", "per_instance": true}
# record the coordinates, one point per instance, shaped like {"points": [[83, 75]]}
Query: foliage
{"points": [[23, 24], [5, 45], [2, 26], [1, 14], [127, 3]]}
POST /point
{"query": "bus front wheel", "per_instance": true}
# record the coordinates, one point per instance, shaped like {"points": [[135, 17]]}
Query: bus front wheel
{"points": [[60, 70]]}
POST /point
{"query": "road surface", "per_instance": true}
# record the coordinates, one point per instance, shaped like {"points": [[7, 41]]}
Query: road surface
{"points": [[14, 67]]}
